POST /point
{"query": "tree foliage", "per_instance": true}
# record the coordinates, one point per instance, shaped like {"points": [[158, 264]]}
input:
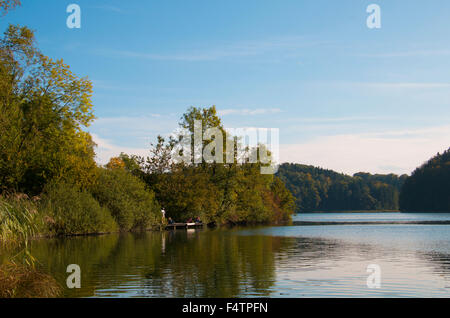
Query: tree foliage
{"points": [[69, 210], [217, 192], [428, 188], [6, 5], [43, 110], [127, 197], [317, 189]]}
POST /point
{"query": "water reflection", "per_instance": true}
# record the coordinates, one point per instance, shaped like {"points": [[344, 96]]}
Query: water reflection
{"points": [[271, 261], [168, 264]]}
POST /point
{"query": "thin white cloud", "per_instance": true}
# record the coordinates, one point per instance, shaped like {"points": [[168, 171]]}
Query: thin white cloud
{"points": [[415, 53], [245, 112], [284, 47], [108, 8], [107, 150], [427, 133], [406, 85], [396, 151], [128, 130], [315, 120], [389, 85], [126, 120], [149, 123], [383, 152], [106, 85]]}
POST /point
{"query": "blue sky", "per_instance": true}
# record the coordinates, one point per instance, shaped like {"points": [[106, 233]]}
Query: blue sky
{"points": [[344, 96]]}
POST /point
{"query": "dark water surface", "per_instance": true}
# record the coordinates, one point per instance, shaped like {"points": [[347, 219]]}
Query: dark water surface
{"points": [[284, 261]]}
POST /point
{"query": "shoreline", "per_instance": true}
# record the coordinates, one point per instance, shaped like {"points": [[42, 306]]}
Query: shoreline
{"points": [[352, 211], [371, 211], [320, 223]]}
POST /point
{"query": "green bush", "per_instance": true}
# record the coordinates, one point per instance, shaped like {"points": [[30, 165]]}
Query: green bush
{"points": [[72, 211], [131, 204]]}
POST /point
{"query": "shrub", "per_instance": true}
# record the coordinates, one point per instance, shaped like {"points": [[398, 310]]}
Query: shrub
{"points": [[131, 204], [72, 211]]}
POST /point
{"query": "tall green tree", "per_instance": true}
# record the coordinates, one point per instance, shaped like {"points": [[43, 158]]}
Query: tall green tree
{"points": [[227, 192], [43, 110]]}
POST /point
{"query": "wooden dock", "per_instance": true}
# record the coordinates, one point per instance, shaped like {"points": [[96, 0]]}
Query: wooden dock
{"points": [[183, 226]]}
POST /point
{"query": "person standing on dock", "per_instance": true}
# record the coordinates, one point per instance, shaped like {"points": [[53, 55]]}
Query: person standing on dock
{"points": [[163, 212]]}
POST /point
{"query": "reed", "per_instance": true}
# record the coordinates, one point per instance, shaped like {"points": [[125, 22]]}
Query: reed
{"points": [[22, 281], [17, 219]]}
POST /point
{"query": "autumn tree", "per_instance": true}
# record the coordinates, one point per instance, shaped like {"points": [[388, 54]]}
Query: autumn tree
{"points": [[43, 110], [218, 192], [115, 163], [6, 5]]}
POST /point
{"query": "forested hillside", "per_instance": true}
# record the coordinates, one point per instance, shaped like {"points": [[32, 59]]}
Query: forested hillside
{"points": [[428, 188], [317, 189]]}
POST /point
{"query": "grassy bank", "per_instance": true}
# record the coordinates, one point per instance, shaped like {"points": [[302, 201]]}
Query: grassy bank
{"points": [[18, 219], [22, 281], [19, 277]]}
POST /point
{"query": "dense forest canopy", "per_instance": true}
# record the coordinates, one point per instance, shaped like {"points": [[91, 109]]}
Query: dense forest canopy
{"points": [[428, 188], [317, 189]]}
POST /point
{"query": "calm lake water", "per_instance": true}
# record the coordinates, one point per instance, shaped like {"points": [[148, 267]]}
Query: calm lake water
{"points": [[282, 261]]}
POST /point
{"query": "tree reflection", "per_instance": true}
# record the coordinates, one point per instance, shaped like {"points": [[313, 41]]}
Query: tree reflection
{"points": [[221, 263], [170, 264]]}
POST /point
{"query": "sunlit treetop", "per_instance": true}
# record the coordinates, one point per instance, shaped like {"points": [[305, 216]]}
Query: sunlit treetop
{"points": [[6, 5]]}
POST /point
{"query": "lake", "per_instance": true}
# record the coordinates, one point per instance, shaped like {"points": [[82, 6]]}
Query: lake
{"points": [[273, 261]]}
